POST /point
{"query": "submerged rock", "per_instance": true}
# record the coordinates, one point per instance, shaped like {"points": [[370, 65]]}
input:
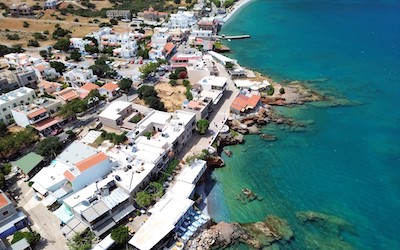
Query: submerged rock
{"points": [[271, 230], [331, 223]]}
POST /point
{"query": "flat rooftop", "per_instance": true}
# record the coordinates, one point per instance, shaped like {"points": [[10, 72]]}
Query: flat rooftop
{"points": [[192, 171], [160, 223], [15, 94], [113, 110]]}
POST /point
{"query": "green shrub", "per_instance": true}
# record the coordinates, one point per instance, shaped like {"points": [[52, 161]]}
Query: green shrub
{"points": [[282, 91], [32, 237]]}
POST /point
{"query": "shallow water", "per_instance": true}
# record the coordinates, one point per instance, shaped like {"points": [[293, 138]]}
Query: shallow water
{"points": [[347, 162]]}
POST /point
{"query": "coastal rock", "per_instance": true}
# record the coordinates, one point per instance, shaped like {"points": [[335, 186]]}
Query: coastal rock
{"points": [[268, 137], [215, 162], [228, 152], [222, 235], [254, 130], [271, 230]]}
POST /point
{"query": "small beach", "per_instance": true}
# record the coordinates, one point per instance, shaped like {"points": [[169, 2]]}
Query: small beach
{"points": [[237, 6]]}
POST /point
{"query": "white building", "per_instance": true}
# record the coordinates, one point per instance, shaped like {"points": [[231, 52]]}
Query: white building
{"points": [[16, 60], [76, 78], [79, 43], [115, 113], [36, 112], [201, 67], [50, 4], [213, 87], [110, 90], [160, 39], [128, 49], [169, 215], [182, 20], [76, 167], [99, 206], [14, 99]]}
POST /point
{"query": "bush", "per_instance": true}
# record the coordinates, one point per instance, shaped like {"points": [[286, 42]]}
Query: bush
{"points": [[13, 37], [172, 82], [120, 235], [33, 43], [113, 21], [202, 126], [39, 36], [281, 91], [177, 1], [30, 183], [137, 118], [271, 91], [76, 20], [31, 237], [143, 199], [25, 24], [186, 83]]}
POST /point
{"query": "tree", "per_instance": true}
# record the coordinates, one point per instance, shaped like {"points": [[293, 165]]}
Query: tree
{"points": [[155, 103], [202, 126], [2, 181], [25, 24], [43, 53], [3, 129], [33, 43], [229, 65], [217, 3], [49, 146], [113, 21], [62, 44], [75, 55], [32, 237], [81, 241], [172, 82], [72, 108], [39, 36], [146, 91], [125, 84], [101, 68], [60, 32], [143, 199], [147, 69], [177, 1], [91, 49], [94, 40], [58, 66], [6, 168], [120, 235]]}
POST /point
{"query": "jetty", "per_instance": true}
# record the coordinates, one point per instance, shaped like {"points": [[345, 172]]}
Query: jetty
{"points": [[233, 37]]}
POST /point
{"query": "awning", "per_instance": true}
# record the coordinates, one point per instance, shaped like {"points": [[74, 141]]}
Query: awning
{"points": [[42, 125], [74, 226], [39, 188], [64, 214], [49, 200], [103, 228], [123, 213]]}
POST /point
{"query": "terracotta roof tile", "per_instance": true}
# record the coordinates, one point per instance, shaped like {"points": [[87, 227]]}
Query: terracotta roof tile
{"points": [[110, 86], [69, 175], [3, 200], [37, 112], [91, 161], [89, 86]]}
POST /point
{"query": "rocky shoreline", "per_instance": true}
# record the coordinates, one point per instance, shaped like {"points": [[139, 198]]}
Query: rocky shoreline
{"points": [[256, 235]]}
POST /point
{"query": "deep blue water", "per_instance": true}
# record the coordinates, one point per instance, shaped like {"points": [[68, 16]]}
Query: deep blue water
{"points": [[347, 162]]}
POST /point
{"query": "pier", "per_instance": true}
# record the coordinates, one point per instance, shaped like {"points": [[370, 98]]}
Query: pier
{"points": [[233, 37]]}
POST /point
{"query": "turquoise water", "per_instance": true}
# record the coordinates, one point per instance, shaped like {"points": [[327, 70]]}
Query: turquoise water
{"points": [[347, 162]]}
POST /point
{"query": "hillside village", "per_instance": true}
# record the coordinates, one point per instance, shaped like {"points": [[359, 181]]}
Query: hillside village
{"points": [[109, 118]]}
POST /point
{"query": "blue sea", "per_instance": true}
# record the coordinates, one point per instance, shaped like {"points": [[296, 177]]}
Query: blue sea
{"points": [[347, 162]]}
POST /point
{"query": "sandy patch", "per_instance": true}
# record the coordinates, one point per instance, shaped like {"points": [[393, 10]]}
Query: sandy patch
{"points": [[172, 97]]}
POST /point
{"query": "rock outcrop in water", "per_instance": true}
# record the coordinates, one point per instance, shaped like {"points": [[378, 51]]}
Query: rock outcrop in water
{"points": [[330, 223], [256, 235], [222, 235], [271, 230]]}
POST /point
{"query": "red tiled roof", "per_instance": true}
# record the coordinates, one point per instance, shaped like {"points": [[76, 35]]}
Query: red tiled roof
{"points": [[3, 200], [169, 47], [110, 86], [89, 86], [242, 102], [37, 112], [68, 94], [40, 67], [42, 125], [91, 161], [69, 175]]}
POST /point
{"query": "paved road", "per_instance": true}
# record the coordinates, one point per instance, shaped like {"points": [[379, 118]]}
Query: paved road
{"points": [[217, 118], [44, 222]]}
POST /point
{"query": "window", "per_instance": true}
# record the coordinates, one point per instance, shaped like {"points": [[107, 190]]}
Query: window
{"points": [[29, 78], [15, 105], [5, 213], [8, 116], [4, 109]]}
